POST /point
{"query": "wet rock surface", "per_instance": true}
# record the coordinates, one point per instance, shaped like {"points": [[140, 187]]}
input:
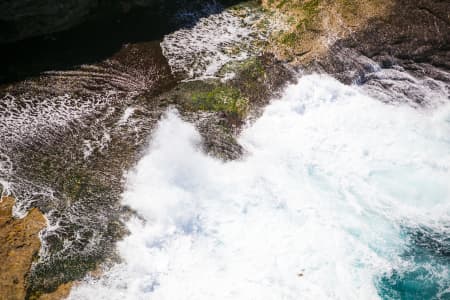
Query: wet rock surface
{"points": [[394, 54], [79, 130], [396, 50], [256, 81], [413, 32]]}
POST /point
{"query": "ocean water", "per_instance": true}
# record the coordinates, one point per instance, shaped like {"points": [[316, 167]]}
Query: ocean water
{"points": [[339, 196]]}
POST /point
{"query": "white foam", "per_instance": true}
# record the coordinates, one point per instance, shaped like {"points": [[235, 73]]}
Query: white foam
{"points": [[200, 51], [88, 149], [312, 212], [397, 86], [129, 111], [31, 118], [6, 167]]}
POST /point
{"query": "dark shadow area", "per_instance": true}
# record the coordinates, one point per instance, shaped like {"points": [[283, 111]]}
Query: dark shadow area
{"points": [[96, 39]]}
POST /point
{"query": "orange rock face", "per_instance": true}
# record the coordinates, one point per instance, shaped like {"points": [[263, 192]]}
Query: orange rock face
{"points": [[61, 293], [19, 244]]}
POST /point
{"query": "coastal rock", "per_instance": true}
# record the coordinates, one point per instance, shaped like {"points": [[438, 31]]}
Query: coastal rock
{"points": [[401, 57], [62, 292], [19, 245], [388, 47], [414, 35]]}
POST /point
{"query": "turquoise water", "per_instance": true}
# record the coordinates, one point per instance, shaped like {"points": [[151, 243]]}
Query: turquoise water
{"points": [[427, 275]]}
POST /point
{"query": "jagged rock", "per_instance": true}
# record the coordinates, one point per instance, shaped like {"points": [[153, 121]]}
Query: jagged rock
{"points": [[414, 35], [401, 57], [389, 47]]}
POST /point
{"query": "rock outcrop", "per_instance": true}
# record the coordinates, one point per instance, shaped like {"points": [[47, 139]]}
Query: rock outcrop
{"points": [[400, 49], [388, 31], [413, 34], [19, 245]]}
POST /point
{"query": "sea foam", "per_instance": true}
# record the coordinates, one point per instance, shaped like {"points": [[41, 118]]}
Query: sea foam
{"points": [[315, 210]]}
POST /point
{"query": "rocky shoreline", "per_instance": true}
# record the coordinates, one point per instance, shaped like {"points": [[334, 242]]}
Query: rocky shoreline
{"points": [[71, 166], [19, 247]]}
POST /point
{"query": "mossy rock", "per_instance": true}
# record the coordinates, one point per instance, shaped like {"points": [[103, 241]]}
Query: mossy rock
{"points": [[224, 99], [249, 69]]}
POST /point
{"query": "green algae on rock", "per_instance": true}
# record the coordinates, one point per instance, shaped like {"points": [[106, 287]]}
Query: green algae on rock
{"points": [[312, 24], [222, 99]]}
